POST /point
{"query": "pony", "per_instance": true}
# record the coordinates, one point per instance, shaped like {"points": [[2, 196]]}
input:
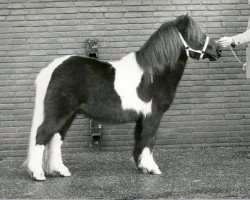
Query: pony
{"points": [[138, 88]]}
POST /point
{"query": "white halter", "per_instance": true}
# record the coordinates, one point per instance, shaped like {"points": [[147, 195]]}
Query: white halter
{"points": [[188, 48]]}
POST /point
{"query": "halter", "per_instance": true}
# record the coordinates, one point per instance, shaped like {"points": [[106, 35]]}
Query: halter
{"points": [[188, 48]]}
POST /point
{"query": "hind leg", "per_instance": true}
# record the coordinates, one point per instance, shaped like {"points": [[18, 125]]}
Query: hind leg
{"points": [[50, 126], [54, 162], [35, 163]]}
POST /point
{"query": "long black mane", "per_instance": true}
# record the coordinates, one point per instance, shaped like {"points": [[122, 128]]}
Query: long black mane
{"points": [[162, 50]]}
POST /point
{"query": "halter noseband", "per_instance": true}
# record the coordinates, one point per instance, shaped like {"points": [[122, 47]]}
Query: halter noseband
{"points": [[188, 48]]}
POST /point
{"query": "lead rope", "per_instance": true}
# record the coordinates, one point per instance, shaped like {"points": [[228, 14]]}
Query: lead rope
{"points": [[244, 65]]}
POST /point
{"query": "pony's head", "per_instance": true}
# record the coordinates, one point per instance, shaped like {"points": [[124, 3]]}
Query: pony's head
{"points": [[165, 47], [197, 44]]}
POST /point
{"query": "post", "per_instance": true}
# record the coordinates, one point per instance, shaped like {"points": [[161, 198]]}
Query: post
{"points": [[95, 127]]}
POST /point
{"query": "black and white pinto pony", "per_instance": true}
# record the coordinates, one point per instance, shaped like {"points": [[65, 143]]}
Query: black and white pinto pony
{"points": [[138, 88]]}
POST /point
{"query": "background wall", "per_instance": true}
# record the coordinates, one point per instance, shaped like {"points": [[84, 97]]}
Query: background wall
{"points": [[212, 104]]}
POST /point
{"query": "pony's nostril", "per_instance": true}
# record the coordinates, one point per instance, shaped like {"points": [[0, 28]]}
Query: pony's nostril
{"points": [[219, 51]]}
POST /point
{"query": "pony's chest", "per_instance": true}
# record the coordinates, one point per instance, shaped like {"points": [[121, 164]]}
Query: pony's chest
{"points": [[127, 78]]}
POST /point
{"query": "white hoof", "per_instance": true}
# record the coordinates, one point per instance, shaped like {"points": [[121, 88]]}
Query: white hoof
{"points": [[62, 171], [157, 171], [39, 176], [150, 170]]}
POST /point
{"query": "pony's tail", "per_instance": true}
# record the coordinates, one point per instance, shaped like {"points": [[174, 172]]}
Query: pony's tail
{"points": [[38, 114]]}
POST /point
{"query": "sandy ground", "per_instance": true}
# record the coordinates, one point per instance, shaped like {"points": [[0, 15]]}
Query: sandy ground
{"points": [[187, 173]]}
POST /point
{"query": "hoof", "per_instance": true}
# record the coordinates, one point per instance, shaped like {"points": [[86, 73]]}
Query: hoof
{"points": [[64, 172], [39, 176], [36, 172], [60, 171], [155, 171]]}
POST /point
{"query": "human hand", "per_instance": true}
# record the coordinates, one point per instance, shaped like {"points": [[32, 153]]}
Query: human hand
{"points": [[225, 41]]}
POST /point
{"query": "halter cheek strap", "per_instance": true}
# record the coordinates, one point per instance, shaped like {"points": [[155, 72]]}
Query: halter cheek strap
{"points": [[188, 48]]}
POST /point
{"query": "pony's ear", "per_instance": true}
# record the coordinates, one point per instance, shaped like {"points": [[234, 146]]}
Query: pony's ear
{"points": [[182, 22]]}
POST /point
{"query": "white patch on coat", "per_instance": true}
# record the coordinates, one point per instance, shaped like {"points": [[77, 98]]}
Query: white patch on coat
{"points": [[42, 82], [147, 163], [127, 78], [54, 162]]}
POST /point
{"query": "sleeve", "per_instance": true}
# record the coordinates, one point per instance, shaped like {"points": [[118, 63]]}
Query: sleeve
{"points": [[242, 38]]}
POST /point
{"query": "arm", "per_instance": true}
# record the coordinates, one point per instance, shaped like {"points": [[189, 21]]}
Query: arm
{"points": [[239, 39], [242, 38]]}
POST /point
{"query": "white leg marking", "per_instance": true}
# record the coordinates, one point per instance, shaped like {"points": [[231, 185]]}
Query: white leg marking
{"points": [[147, 163], [42, 82], [35, 163], [127, 78], [55, 162]]}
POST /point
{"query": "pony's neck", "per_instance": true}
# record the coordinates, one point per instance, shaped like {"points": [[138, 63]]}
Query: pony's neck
{"points": [[161, 51], [178, 70]]}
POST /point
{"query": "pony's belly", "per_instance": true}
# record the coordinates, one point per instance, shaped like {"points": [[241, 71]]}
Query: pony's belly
{"points": [[109, 114]]}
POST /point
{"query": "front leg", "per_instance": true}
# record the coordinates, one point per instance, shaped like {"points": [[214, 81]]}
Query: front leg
{"points": [[145, 136]]}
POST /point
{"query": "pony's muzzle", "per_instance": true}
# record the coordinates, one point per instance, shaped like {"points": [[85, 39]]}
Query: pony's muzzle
{"points": [[219, 50]]}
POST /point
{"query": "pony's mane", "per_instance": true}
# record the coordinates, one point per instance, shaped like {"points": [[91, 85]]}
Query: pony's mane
{"points": [[163, 48], [194, 32]]}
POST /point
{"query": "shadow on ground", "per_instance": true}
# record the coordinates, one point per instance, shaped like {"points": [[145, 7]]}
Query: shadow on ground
{"points": [[187, 173]]}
